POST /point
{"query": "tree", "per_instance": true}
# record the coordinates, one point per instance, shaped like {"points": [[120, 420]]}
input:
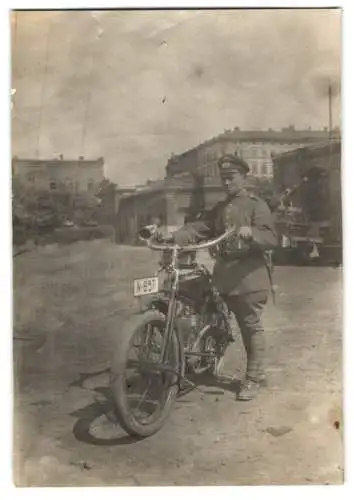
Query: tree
{"points": [[106, 195], [106, 189], [32, 206]]}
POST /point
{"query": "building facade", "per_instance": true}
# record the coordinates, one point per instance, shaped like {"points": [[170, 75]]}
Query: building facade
{"points": [[256, 147], [76, 176], [170, 200]]}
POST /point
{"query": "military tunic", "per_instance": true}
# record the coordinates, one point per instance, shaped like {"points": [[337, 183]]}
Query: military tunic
{"points": [[240, 267]]}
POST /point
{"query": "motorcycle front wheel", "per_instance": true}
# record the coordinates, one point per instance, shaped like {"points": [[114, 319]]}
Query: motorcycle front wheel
{"points": [[143, 389]]}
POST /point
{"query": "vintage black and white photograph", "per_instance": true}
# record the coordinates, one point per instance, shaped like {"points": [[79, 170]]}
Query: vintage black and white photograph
{"points": [[177, 247]]}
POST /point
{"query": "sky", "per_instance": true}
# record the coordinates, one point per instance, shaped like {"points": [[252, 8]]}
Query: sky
{"points": [[135, 86]]}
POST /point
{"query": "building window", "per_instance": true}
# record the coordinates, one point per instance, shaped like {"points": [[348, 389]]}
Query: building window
{"points": [[68, 184], [264, 169], [262, 152], [90, 185], [52, 185]]}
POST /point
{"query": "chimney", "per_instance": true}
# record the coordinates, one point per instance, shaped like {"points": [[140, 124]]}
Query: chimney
{"points": [[61, 156]]}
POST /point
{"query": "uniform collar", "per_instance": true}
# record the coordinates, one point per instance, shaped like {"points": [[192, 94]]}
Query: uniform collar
{"points": [[240, 194]]}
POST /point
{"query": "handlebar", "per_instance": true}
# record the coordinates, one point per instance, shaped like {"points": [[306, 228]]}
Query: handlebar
{"points": [[193, 248]]}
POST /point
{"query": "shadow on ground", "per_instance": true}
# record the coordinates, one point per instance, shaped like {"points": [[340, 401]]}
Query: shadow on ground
{"points": [[103, 406]]}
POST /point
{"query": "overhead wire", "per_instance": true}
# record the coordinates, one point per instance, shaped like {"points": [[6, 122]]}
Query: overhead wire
{"points": [[44, 82], [86, 119], [14, 42]]}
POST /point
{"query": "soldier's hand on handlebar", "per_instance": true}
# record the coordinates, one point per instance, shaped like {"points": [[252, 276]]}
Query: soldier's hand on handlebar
{"points": [[245, 233], [162, 237]]}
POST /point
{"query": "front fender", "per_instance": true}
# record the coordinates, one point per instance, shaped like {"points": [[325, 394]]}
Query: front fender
{"points": [[156, 302]]}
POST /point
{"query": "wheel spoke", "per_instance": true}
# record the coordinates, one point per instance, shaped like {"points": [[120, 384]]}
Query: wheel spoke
{"points": [[143, 396]]}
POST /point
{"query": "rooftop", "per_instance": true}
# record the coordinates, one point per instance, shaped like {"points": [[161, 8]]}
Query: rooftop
{"points": [[286, 134], [319, 149], [55, 162]]}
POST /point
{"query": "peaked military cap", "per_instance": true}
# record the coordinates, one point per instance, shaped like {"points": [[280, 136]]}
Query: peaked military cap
{"points": [[233, 163]]}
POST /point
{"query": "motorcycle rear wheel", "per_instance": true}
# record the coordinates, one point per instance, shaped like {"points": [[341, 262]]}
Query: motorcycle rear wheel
{"points": [[161, 382]]}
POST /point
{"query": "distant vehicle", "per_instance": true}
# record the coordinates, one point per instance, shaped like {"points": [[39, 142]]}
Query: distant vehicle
{"points": [[309, 219]]}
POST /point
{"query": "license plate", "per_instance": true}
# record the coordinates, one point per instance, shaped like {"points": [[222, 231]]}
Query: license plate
{"points": [[145, 286]]}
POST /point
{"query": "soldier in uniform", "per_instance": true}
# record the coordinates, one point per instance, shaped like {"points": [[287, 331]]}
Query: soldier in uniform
{"points": [[240, 272]]}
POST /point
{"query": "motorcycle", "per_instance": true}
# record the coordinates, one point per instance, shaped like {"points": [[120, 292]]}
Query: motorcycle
{"points": [[184, 329]]}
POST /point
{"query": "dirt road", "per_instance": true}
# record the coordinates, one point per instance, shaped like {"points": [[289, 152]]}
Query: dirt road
{"points": [[69, 301]]}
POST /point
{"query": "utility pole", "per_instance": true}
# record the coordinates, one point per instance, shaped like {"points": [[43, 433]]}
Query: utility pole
{"points": [[330, 125]]}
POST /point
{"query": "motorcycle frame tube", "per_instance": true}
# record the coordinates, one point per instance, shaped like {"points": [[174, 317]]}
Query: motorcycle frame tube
{"points": [[171, 312]]}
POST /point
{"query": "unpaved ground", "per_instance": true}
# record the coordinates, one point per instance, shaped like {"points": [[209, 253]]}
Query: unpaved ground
{"points": [[69, 302]]}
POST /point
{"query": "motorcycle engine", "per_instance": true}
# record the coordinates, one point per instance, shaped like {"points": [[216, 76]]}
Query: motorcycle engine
{"points": [[190, 323]]}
